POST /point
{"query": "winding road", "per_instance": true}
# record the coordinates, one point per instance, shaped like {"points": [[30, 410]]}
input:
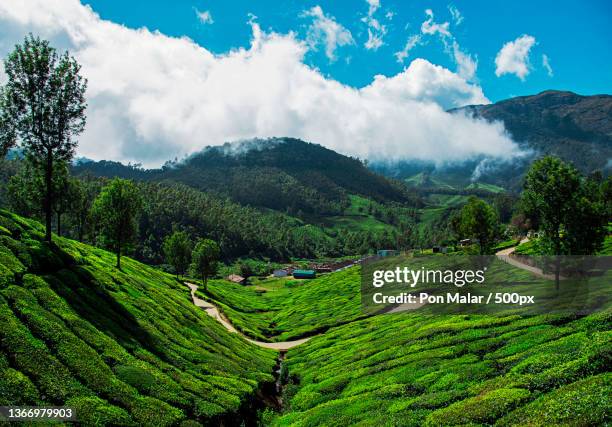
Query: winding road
{"points": [[214, 312], [506, 256]]}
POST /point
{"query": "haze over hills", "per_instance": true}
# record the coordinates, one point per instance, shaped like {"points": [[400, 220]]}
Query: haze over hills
{"points": [[287, 173], [574, 127]]}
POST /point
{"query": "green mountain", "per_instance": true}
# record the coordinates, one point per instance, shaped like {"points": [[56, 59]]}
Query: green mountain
{"points": [[122, 347], [283, 174], [574, 127]]}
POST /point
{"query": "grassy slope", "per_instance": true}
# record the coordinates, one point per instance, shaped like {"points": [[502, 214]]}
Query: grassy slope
{"points": [[426, 369], [355, 217], [283, 309], [410, 369], [418, 368], [127, 347], [483, 186]]}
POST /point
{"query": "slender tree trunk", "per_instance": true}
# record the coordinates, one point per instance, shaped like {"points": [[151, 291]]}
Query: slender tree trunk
{"points": [[48, 203], [59, 230], [557, 260]]}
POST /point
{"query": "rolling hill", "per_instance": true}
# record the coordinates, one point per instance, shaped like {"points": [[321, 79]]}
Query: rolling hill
{"points": [[283, 174], [121, 347]]}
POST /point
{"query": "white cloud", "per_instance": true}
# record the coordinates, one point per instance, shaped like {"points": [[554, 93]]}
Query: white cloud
{"points": [[325, 30], [455, 14], [513, 58], [466, 65], [432, 28], [204, 16], [152, 97], [412, 41], [389, 15], [376, 30], [546, 65]]}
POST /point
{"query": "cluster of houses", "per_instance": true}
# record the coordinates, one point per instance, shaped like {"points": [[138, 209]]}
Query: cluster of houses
{"points": [[315, 268]]}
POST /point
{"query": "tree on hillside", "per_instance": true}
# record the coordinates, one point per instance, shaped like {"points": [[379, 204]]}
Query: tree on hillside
{"points": [[478, 220], [43, 103], [586, 225], [177, 250], [205, 259], [116, 210], [550, 188], [24, 191], [570, 210]]}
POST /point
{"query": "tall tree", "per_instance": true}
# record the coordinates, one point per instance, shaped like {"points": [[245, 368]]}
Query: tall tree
{"points": [[177, 249], [116, 210], [569, 209], [585, 226], [205, 259], [551, 186], [479, 221], [43, 103]]}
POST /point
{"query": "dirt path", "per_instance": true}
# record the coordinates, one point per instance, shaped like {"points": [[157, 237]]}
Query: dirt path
{"points": [[214, 312], [506, 256]]}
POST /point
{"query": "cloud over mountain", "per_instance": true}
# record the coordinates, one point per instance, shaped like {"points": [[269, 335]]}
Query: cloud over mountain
{"points": [[152, 97]]}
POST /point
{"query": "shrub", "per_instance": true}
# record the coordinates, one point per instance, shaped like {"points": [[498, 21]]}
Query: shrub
{"points": [[585, 402], [480, 409], [93, 411]]}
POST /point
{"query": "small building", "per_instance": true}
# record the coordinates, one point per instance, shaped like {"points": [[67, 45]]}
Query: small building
{"points": [[465, 242], [304, 274], [280, 273], [387, 252], [236, 279]]}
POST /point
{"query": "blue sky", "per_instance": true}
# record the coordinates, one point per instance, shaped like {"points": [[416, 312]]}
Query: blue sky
{"points": [[367, 78], [574, 35]]}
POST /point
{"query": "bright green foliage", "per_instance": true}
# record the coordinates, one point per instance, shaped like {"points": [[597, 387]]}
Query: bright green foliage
{"points": [[571, 211], [122, 346], [418, 369], [479, 221], [116, 210], [205, 259], [177, 249], [285, 308], [43, 102]]}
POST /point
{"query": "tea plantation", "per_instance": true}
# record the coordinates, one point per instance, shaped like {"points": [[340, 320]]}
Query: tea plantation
{"points": [[122, 347], [284, 309], [410, 369]]}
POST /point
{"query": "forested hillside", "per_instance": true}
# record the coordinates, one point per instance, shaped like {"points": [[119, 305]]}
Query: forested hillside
{"points": [[284, 174]]}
